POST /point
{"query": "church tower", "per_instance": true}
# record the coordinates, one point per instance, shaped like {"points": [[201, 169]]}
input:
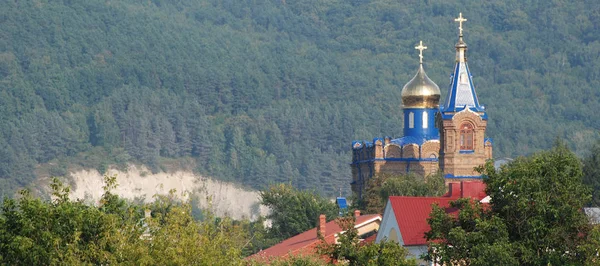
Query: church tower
{"points": [[448, 137], [462, 122], [420, 103], [417, 151]]}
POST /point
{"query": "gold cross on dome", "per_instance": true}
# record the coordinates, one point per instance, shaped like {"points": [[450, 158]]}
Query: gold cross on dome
{"points": [[460, 21], [421, 48]]}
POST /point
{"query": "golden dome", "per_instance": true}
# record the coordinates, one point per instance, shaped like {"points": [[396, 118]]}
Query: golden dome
{"points": [[420, 92]]}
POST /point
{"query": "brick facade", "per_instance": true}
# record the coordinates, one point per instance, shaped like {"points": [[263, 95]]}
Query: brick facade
{"points": [[385, 157], [456, 144], [458, 163]]}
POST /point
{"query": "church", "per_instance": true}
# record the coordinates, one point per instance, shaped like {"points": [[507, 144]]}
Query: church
{"points": [[448, 137]]}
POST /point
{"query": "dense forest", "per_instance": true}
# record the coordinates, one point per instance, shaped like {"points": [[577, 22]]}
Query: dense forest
{"points": [[268, 91]]}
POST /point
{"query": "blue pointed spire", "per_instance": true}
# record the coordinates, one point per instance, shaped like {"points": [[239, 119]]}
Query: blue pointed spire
{"points": [[461, 93]]}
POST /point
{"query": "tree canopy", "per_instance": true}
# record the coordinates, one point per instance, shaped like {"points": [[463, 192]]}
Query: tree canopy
{"points": [[535, 216], [295, 211], [351, 251], [382, 186], [591, 173], [266, 91], [65, 232]]}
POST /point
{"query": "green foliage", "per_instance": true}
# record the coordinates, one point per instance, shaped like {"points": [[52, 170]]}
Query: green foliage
{"points": [[300, 260], [260, 237], [382, 186], [476, 237], [65, 232], [263, 92], [535, 216], [591, 173], [294, 211], [350, 251], [591, 247], [35, 232], [177, 239]]}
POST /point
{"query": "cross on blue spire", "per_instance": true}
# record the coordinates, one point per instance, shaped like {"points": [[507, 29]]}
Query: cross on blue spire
{"points": [[461, 93]]}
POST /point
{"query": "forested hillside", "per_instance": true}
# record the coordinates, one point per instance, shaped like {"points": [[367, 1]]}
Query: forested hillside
{"points": [[264, 91]]}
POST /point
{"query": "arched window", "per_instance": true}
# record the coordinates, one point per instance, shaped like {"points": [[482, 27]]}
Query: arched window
{"points": [[425, 120], [466, 137], [393, 236], [411, 120]]}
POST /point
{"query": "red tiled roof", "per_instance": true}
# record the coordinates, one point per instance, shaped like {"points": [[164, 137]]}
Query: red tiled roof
{"points": [[369, 239], [305, 242], [411, 215], [412, 212]]}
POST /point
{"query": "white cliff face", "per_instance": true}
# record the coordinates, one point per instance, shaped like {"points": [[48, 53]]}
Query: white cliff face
{"points": [[227, 199]]}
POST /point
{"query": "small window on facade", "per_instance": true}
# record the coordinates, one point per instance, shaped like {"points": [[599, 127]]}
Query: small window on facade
{"points": [[393, 236], [466, 137], [425, 120], [411, 120]]}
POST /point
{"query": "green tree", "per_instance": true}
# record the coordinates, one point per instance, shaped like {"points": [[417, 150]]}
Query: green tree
{"points": [[292, 260], [37, 232], [175, 238], [350, 250], [476, 237], [64, 232], [591, 247], [294, 211], [382, 186], [282, 63], [591, 173], [534, 218]]}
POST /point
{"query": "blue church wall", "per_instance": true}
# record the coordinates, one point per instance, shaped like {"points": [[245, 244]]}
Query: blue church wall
{"points": [[414, 125]]}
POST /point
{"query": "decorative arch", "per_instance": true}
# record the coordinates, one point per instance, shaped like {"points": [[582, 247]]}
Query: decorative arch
{"points": [[466, 136], [429, 148], [393, 151], [410, 151]]}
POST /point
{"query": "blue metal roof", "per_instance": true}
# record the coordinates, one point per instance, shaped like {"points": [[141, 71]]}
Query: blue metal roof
{"points": [[464, 176], [445, 116], [358, 144], [341, 202], [398, 141], [413, 140], [462, 91]]}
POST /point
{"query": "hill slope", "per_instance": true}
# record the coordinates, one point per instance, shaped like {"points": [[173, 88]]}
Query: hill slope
{"points": [[270, 91]]}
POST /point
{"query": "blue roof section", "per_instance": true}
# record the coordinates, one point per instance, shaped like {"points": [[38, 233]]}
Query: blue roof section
{"points": [[399, 141], [462, 91], [396, 160], [359, 144], [412, 140], [341, 202], [445, 116], [463, 176]]}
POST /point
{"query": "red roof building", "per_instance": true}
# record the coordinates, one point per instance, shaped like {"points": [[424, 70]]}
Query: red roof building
{"points": [[305, 243], [405, 218]]}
